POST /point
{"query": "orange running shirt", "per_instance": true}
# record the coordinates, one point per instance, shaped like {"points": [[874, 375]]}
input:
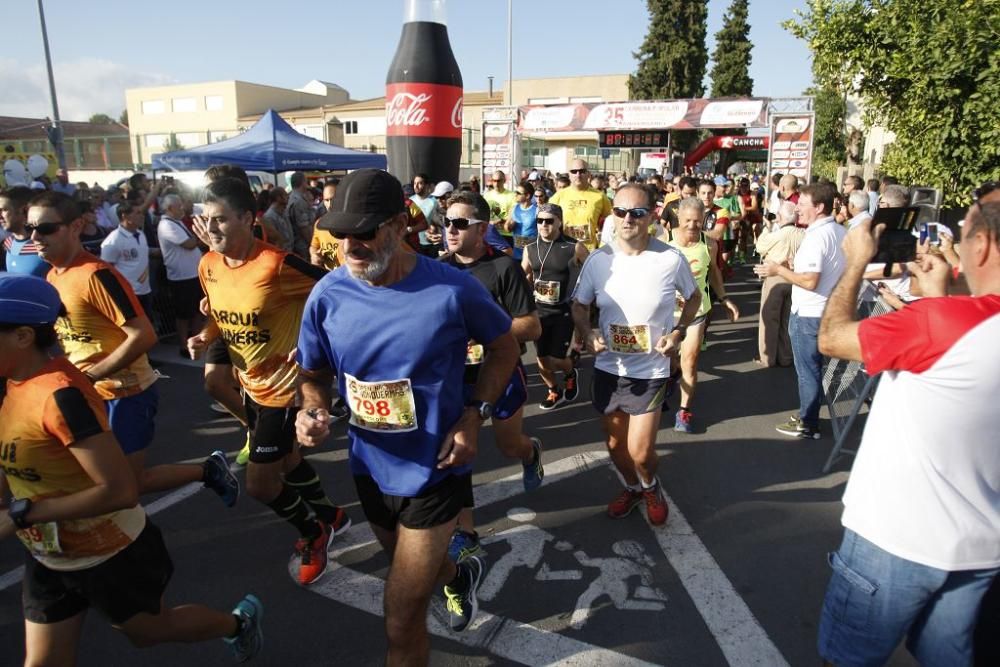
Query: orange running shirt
{"points": [[327, 247], [40, 419], [98, 302], [257, 308]]}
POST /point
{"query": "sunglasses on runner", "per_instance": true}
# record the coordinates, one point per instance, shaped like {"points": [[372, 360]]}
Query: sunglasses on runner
{"points": [[638, 212], [578, 171], [44, 228], [360, 236], [983, 190], [461, 224], [545, 221]]}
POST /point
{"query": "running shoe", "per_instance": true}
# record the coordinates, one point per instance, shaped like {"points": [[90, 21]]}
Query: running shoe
{"points": [[796, 429], [464, 545], [244, 456], [656, 505], [462, 604], [554, 398], [534, 473], [682, 421], [219, 478], [623, 505], [248, 642], [339, 526], [339, 410], [218, 407], [312, 555], [572, 387]]}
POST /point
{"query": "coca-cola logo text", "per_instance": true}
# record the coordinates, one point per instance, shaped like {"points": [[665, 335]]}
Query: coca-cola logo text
{"points": [[407, 109], [456, 115]]}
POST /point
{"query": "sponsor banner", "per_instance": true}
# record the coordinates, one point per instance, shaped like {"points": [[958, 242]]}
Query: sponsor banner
{"points": [[499, 149], [650, 115], [500, 114], [423, 110], [791, 144]]}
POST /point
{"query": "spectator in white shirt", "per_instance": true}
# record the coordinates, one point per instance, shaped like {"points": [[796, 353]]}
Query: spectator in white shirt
{"points": [[127, 250], [857, 208], [181, 254], [817, 267]]}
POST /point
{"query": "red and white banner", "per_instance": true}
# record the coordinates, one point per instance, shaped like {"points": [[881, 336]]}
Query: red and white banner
{"points": [[423, 110], [791, 147], [655, 115]]}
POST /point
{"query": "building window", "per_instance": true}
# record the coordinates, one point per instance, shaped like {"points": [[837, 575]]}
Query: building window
{"points": [[215, 136], [150, 107], [189, 139], [213, 102], [155, 140], [589, 151], [184, 105], [350, 127]]}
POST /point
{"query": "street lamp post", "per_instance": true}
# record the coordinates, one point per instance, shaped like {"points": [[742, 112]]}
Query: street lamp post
{"points": [[55, 132]]}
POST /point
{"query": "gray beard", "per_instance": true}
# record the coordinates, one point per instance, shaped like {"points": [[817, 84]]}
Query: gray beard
{"points": [[378, 265]]}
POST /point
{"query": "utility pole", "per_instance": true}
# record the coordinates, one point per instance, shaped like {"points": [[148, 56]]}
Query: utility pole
{"points": [[55, 131], [510, 52]]}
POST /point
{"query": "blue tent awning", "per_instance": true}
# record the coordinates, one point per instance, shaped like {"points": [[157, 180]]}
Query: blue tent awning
{"points": [[271, 145]]}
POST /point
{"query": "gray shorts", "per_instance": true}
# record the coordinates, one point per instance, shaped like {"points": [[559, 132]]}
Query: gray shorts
{"points": [[633, 396]]}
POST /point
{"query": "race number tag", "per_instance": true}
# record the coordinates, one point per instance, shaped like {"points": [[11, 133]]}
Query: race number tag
{"points": [[473, 354], [42, 538], [382, 406], [522, 241], [579, 232], [547, 291], [630, 339]]}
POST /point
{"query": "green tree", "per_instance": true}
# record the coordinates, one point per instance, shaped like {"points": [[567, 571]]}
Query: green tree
{"points": [[829, 142], [928, 70], [673, 57], [101, 119], [731, 57], [123, 117]]}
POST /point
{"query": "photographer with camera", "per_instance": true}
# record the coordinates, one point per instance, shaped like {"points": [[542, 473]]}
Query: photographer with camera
{"points": [[922, 506]]}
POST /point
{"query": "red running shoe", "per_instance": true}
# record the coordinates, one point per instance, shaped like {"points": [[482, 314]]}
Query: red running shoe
{"points": [[656, 505], [623, 505], [312, 555]]}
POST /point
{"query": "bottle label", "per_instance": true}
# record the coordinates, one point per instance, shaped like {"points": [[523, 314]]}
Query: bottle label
{"points": [[423, 110]]}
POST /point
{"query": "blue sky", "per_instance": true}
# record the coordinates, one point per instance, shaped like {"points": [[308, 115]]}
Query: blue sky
{"points": [[102, 47]]}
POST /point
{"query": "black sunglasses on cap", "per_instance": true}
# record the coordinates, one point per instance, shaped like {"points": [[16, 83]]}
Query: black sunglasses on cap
{"points": [[638, 212], [44, 228], [461, 224], [360, 236]]}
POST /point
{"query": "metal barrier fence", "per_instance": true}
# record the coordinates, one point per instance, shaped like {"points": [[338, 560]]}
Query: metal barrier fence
{"points": [[848, 388]]}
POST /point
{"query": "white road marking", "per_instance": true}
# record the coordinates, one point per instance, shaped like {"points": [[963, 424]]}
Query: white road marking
{"points": [[830, 481]]}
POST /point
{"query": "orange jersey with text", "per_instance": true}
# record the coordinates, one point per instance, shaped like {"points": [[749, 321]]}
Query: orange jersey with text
{"points": [[327, 248], [40, 420], [257, 308], [98, 302]]}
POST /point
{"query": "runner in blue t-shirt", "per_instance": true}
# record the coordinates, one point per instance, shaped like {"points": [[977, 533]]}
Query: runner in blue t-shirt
{"points": [[394, 326], [20, 252], [522, 220]]}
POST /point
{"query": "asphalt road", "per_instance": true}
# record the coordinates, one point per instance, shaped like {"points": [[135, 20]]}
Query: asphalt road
{"points": [[736, 576]]}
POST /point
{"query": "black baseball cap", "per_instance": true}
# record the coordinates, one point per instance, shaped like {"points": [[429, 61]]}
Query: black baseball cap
{"points": [[364, 200]]}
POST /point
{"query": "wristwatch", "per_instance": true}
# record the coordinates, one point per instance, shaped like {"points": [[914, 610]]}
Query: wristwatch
{"points": [[484, 409], [18, 512]]}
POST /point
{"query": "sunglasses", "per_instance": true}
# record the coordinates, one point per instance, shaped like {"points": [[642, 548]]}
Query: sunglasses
{"points": [[461, 224], [545, 221], [44, 228], [983, 190], [360, 236], [521, 193], [638, 212], [578, 171]]}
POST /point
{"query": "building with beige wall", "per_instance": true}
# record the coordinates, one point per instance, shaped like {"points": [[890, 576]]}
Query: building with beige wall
{"points": [[195, 114]]}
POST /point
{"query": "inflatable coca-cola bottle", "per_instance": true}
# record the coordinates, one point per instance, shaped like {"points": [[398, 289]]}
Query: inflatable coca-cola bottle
{"points": [[423, 98]]}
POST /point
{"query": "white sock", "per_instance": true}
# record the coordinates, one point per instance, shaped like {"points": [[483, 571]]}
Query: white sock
{"points": [[650, 485]]}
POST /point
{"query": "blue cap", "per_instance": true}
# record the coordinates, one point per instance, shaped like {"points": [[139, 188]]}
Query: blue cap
{"points": [[27, 299], [721, 180]]}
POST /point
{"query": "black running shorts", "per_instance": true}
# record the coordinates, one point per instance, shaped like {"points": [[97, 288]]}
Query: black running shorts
{"points": [[633, 396], [438, 504], [272, 431], [130, 582], [557, 333]]}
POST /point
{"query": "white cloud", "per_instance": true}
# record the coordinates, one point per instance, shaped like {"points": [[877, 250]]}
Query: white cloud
{"points": [[84, 87]]}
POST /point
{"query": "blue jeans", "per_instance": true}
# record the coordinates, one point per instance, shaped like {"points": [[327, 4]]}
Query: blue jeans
{"points": [[804, 332], [875, 598]]}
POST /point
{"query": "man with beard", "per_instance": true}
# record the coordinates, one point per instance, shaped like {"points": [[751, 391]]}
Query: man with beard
{"points": [[393, 326], [256, 294]]}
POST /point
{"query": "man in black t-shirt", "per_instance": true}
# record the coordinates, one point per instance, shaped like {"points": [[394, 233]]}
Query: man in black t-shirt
{"points": [[466, 224], [552, 264], [688, 188]]}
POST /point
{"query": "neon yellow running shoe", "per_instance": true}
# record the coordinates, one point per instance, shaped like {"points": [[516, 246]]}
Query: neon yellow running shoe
{"points": [[244, 456]]}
